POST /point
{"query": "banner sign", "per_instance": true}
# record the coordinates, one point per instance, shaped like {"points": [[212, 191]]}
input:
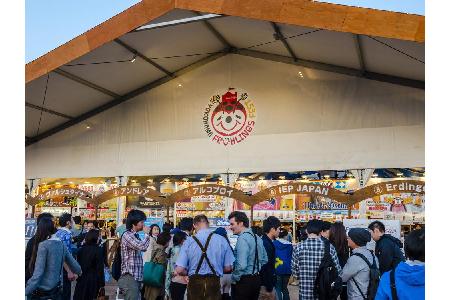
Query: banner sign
{"points": [[130, 191], [208, 189], [30, 228], [389, 187], [301, 188]]}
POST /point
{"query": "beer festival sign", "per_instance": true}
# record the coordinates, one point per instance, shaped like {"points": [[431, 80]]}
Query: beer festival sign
{"points": [[230, 118]]}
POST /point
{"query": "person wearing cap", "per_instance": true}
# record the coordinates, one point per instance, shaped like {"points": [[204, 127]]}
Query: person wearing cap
{"points": [[356, 270]]}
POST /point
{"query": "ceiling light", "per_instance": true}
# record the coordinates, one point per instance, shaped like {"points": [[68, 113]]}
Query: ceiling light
{"points": [[86, 182], [88, 126], [180, 85], [326, 176], [399, 174], [282, 177], [150, 180], [133, 181], [203, 179], [167, 180], [262, 177], [70, 182], [57, 183], [374, 175], [185, 179], [304, 176], [300, 74], [133, 59]]}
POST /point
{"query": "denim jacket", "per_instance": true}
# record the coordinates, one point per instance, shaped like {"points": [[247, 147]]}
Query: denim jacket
{"points": [[245, 255], [48, 266]]}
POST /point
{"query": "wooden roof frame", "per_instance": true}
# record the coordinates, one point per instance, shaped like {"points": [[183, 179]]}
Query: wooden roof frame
{"points": [[294, 12]]}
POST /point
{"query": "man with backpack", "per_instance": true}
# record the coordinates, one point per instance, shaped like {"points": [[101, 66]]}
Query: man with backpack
{"points": [[387, 248], [271, 228], [361, 270], [204, 257], [316, 265], [407, 280]]}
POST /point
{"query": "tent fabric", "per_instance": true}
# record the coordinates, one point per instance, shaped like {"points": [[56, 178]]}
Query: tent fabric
{"points": [[320, 121]]}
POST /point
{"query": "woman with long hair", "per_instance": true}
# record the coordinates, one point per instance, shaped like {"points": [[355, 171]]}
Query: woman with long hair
{"points": [[46, 264], [338, 238], [175, 284], [91, 260]]}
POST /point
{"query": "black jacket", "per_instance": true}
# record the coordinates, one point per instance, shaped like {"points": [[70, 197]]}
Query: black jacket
{"points": [[90, 258], [388, 251], [28, 253], [267, 272]]}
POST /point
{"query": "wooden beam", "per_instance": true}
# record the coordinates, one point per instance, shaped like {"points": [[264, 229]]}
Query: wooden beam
{"points": [[313, 14], [128, 20], [295, 12]]}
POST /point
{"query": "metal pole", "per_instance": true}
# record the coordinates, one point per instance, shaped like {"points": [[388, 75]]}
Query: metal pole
{"points": [[168, 213], [294, 229], [251, 215], [96, 212]]}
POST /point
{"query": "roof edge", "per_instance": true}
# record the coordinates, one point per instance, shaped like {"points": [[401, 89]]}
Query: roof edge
{"points": [[118, 25], [306, 13]]}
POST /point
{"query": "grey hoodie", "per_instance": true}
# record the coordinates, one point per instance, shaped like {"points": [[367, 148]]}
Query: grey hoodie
{"points": [[357, 269]]}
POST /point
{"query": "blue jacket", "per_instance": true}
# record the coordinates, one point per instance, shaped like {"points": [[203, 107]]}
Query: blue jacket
{"points": [[409, 279], [283, 257], [51, 255]]}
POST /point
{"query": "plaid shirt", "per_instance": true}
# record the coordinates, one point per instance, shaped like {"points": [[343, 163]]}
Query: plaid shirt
{"points": [[306, 260], [131, 247]]}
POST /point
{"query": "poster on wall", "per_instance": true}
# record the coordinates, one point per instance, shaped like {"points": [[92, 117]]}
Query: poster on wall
{"points": [[408, 208], [392, 226]]}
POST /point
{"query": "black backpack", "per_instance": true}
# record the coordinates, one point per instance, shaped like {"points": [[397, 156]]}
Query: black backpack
{"points": [[328, 284], [116, 271], [374, 278]]}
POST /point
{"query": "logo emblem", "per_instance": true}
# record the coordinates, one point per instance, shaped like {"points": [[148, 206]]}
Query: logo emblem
{"points": [[378, 190], [229, 118]]}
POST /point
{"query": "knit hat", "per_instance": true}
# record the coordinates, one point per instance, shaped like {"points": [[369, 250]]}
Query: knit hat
{"points": [[360, 236]]}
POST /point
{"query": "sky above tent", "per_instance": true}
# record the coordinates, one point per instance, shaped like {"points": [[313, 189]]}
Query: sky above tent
{"points": [[51, 23]]}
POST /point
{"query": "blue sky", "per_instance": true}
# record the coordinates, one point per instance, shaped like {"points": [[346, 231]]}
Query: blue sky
{"points": [[51, 23]]}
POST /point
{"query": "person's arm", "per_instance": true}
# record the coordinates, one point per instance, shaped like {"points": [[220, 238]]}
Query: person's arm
{"points": [[382, 293], [182, 263], [242, 253], [267, 276], [229, 257], [385, 257], [295, 263], [351, 268], [335, 259], [263, 258], [39, 268], [132, 242], [70, 262], [100, 266]]}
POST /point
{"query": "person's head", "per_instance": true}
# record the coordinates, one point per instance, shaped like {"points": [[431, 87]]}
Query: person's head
{"points": [[167, 227], [283, 233], [90, 225], [91, 237], [124, 221], [187, 225], [179, 237], [326, 229], [45, 229], [314, 228], [77, 220], [44, 215], [257, 230], [135, 220], [338, 237], [65, 220], [358, 237], [95, 224], [377, 230], [200, 222], [85, 225], [303, 235], [238, 221], [271, 227], [415, 245], [154, 230], [164, 239]]}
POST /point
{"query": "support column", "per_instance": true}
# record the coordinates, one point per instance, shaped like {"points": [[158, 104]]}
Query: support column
{"points": [[362, 176], [121, 201], [251, 215], [32, 184], [229, 179]]}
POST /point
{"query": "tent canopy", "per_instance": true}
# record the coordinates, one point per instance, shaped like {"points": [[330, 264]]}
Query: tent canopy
{"points": [[158, 41]]}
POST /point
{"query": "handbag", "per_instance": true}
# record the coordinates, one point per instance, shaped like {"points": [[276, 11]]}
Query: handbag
{"points": [[153, 273], [101, 294]]}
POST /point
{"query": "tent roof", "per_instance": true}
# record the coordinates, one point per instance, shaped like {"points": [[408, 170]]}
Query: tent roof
{"points": [[141, 48]]}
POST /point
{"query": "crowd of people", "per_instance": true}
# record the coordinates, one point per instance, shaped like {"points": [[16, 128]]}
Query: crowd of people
{"points": [[198, 262]]}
